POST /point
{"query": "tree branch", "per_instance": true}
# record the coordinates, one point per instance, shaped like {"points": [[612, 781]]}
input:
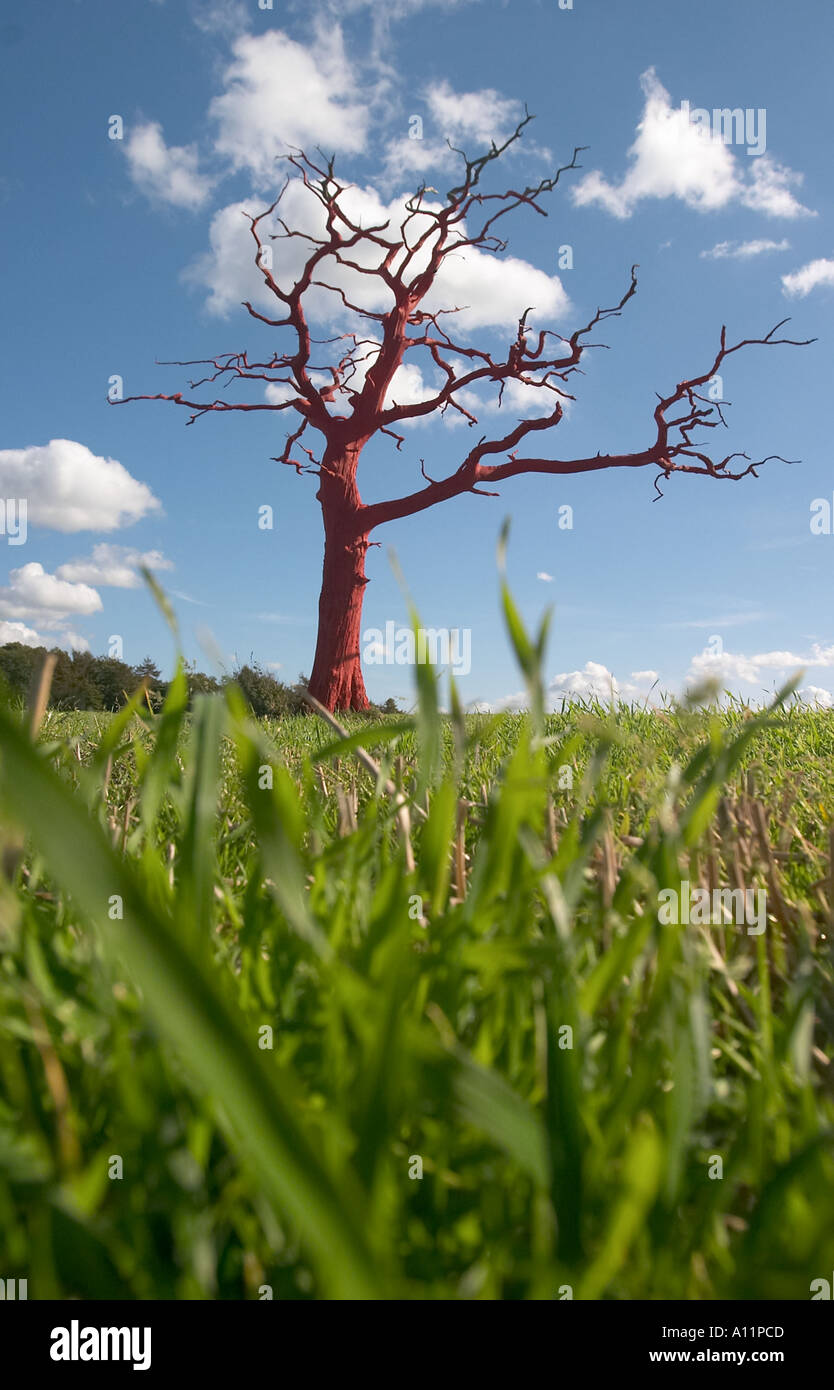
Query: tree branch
{"points": [[669, 455], [404, 257]]}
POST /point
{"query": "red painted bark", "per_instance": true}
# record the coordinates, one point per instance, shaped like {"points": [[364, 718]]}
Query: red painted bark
{"points": [[354, 399], [336, 679]]}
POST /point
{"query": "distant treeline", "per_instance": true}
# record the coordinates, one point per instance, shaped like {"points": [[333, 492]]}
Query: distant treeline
{"points": [[82, 681]]}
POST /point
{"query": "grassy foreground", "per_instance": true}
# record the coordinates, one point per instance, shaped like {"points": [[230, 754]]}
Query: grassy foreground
{"points": [[271, 1026]]}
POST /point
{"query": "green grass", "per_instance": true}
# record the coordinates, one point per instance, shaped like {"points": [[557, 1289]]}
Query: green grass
{"points": [[418, 1013]]}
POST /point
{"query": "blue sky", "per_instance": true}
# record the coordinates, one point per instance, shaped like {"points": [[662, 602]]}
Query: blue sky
{"points": [[118, 252]]}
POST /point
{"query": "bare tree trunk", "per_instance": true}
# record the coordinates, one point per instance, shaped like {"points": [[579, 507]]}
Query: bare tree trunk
{"points": [[336, 678]]}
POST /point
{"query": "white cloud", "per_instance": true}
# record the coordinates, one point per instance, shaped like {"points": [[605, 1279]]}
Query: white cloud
{"points": [[669, 158], [815, 695], [404, 156], [19, 632], [223, 17], [114, 566], [495, 290], [769, 190], [68, 488], [596, 682], [672, 157], [593, 682], [743, 250], [281, 94], [726, 666], [484, 115], [469, 120], [32, 593], [521, 398], [491, 291], [747, 675], [48, 600], [407, 385], [167, 172], [545, 577], [227, 269], [800, 283]]}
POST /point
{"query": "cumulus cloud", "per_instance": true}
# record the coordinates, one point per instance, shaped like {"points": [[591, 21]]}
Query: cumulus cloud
{"points": [[68, 488], [19, 632], [53, 601], [769, 190], [596, 682], [468, 120], [280, 94], [32, 593], [66, 637], [169, 173], [494, 291], [227, 270], [545, 577], [726, 666], [815, 695], [743, 250], [490, 291], [738, 672], [407, 385], [113, 566], [800, 283], [593, 682], [672, 157], [485, 114]]}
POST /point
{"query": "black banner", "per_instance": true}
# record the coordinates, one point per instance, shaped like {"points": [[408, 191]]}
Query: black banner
{"points": [[88, 1340]]}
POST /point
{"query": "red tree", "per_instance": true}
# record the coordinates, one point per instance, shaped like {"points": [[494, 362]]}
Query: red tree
{"points": [[353, 403]]}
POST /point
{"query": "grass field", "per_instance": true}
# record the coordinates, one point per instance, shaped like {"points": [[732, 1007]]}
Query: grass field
{"points": [[491, 1072]]}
